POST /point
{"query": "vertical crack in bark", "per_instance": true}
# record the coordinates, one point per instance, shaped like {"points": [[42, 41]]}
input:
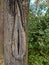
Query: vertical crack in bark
{"points": [[18, 42], [21, 12]]}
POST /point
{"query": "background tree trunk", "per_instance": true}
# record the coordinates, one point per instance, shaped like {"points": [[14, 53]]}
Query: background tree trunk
{"points": [[15, 22]]}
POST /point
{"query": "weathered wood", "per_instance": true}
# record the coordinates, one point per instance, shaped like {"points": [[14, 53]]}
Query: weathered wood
{"points": [[15, 19]]}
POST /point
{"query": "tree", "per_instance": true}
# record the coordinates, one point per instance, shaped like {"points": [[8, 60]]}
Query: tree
{"points": [[1, 28], [15, 22], [38, 39], [39, 7]]}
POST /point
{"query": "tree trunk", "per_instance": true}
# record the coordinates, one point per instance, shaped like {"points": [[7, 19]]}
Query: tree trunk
{"points": [[1, 29], [15, 22]]}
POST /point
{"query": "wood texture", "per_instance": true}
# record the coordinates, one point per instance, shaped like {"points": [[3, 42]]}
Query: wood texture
{"points": [[15, 22]]}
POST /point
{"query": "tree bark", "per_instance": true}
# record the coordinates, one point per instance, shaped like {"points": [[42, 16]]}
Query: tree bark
{"points": [[1, 29], [15, 22]]}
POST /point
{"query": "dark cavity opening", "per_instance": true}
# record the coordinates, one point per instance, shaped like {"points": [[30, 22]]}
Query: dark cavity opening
{"points": [[18, 41]]}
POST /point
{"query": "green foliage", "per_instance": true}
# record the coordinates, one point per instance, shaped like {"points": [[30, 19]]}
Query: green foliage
{"points": [[38, 39], [39, 7]]}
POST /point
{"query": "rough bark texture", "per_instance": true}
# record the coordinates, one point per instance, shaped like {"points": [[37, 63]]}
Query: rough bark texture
{"points": [[1, 28], [15, 22]]}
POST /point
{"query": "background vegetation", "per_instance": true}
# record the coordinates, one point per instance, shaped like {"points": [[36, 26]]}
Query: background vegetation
{"points": [[38, 33]]}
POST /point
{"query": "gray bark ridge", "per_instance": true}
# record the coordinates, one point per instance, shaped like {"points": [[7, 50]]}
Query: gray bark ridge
{"points": [[21, 38]]}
